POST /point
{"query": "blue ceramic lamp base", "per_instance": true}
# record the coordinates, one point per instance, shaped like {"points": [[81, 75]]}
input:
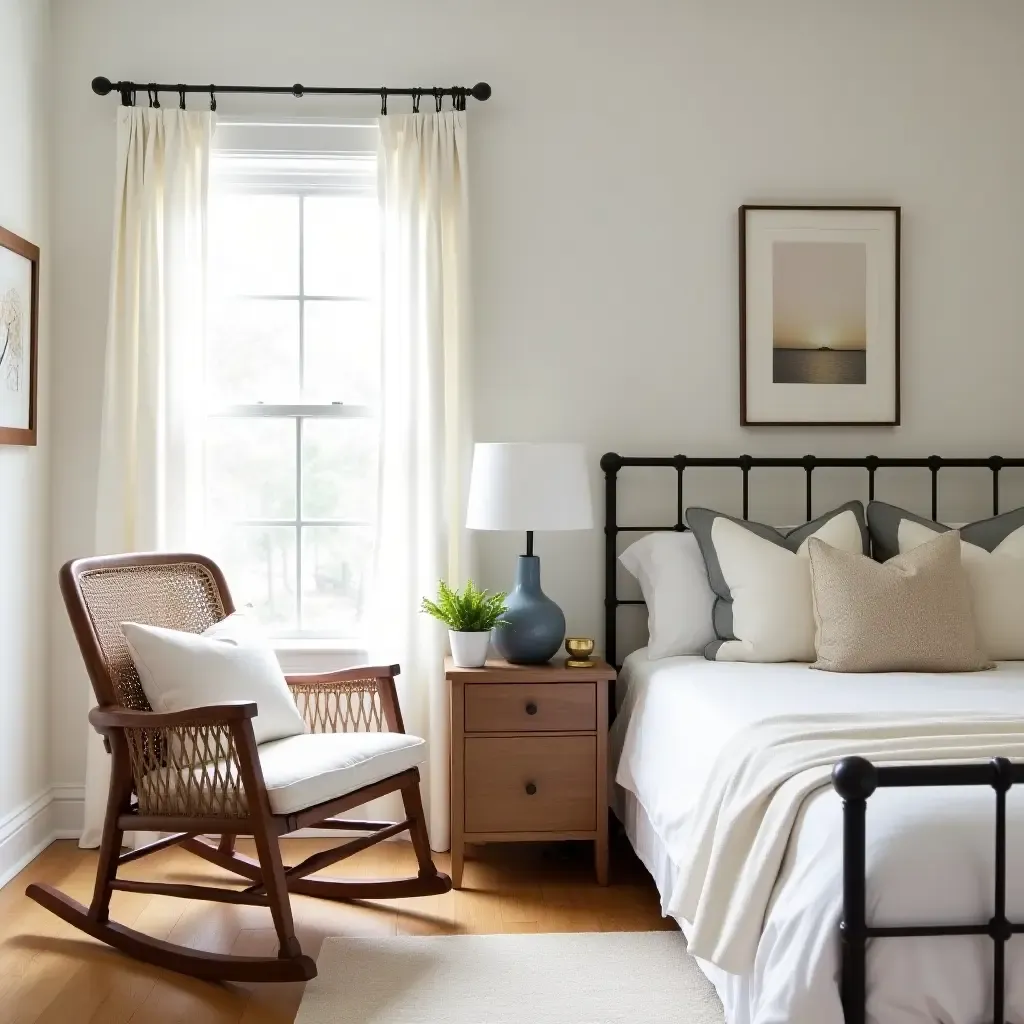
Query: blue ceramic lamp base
{"points": [[534, 625]]}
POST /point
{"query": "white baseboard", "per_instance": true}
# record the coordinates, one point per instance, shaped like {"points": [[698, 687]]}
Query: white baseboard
{"points": [[29, 829], [68, 810]]}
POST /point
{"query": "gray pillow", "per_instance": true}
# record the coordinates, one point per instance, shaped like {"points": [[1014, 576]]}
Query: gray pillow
{"points": [[701, 521], [884, 526]]}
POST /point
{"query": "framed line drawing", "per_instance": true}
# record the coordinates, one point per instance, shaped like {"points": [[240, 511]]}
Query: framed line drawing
{"points": [[819, 290], [19, 339]]}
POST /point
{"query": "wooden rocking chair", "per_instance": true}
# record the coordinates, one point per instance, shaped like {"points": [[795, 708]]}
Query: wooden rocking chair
{"points": [[198, 772]]}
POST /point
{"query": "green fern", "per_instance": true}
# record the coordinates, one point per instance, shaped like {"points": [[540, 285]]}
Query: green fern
{"points": [[471, 611]]}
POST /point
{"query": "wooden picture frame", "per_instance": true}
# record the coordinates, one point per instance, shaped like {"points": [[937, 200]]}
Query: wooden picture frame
{"points": [[19, 339], [819, 309]]}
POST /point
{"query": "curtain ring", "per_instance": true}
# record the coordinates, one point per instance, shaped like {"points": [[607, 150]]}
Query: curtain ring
{"points": [[416, 95], [126, 96], [383, 102], [154, 96], [213, 99], [438, 98], [181, 97]]}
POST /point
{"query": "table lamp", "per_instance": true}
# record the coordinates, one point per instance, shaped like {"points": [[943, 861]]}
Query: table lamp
{"points": [[529, 487]]}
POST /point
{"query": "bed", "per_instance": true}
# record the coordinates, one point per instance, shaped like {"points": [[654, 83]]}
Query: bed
{"points": [[925, 871]]}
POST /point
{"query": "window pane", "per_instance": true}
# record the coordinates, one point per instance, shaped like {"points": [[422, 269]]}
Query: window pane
{"points": [[254, 350], [341, 247], [339, 467], [335, 562], [342, 352], [254, 245], [250, 468], [259, 563]]}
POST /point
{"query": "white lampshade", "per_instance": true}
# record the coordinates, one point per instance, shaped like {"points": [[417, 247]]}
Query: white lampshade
{"points": [[529, 487]]}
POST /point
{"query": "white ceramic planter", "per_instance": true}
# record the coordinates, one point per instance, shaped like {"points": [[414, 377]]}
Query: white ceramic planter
{"points": [[469, 650]]}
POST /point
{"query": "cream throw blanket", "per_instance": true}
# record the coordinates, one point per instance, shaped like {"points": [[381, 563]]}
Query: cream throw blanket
{"points": [[742, 824]]}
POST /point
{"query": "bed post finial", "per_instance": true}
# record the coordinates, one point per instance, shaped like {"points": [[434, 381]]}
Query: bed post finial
{"points": [[854, 778], [611, 463]]}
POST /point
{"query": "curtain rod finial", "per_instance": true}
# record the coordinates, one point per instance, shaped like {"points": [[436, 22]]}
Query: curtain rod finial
{"points": [[102, 86], [480, 91]]}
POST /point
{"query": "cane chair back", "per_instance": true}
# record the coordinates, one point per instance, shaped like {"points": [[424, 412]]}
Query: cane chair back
{"points": [[184, 592]]}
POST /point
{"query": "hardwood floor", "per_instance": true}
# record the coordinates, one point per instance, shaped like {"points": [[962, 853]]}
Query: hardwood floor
{"points": [[52, 974]]}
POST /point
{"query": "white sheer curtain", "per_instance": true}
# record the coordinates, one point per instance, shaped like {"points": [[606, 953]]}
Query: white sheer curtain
{"points": [[148, 494], [425, 419]]}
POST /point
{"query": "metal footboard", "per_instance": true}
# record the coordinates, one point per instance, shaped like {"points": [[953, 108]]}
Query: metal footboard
{"points": [[855, 779]]}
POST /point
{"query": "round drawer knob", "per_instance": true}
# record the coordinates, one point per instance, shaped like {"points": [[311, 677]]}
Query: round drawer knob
{"points": [[531, 708], [531, 788]]}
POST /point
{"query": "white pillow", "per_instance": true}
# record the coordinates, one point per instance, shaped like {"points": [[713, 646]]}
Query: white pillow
{"points": [[997, 587], [231, 661], [674, 581], [772, 608]]}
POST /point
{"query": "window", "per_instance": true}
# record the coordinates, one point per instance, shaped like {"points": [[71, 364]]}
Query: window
{"points": [[292, 375]]}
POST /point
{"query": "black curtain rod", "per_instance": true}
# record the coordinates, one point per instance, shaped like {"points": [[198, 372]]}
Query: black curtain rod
{"points": [[128, 90]]}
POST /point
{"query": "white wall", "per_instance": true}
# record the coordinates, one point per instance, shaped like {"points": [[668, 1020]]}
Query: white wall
{"points": [[25, 811], [606, 173]]}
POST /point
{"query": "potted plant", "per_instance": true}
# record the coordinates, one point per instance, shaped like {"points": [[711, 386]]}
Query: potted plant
{"points": [[470, 615]]}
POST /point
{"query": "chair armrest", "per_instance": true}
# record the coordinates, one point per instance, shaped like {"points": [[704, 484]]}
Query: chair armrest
{"points": [[213, 714], [199, 763], [325, 698]]}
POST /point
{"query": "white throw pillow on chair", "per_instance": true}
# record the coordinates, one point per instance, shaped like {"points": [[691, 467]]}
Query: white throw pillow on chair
{"points": [[231, 661]]}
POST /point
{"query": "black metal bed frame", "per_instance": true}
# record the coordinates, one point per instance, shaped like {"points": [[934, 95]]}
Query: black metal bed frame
{"points": [[854, 778]]}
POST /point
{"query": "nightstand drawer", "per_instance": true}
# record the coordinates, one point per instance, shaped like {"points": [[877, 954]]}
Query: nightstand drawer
{"points": [[531, 784], [526, 707]]}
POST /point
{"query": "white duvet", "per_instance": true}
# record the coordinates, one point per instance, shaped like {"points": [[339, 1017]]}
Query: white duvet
{"points": [[930, 851]]}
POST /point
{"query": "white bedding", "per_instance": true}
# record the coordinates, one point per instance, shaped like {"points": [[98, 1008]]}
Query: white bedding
{"points": [[929, 851]]}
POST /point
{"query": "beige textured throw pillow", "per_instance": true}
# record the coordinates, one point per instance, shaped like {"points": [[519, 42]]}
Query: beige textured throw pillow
{"points": [[910, 614]]}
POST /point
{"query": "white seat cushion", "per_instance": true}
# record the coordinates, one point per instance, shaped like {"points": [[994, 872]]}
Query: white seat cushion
{"points": [[299, 772], [302, 771]]}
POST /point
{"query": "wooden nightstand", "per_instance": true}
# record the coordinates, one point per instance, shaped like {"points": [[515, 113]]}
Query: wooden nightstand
{"points": [[529, 756]]}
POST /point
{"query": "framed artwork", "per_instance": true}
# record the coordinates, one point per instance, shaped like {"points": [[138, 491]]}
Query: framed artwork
{"points": [[19, 338], [819, 294]]}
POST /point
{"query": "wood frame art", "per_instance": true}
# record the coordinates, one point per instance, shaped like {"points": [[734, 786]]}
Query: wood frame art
{"points": [[14, 434], [856, 400], [185, 591]]}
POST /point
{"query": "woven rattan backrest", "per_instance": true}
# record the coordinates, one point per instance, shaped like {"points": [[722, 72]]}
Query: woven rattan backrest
{"points": [[183, 592]]}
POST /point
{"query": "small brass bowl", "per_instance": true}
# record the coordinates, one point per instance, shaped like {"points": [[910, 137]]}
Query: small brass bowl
{"points": [[579, 649]]}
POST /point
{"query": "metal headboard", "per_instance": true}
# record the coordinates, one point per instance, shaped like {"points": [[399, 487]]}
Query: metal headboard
{"points": [[612, 463]]}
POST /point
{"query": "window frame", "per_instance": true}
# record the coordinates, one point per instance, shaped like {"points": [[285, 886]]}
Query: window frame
{"points": [[305, 157]]}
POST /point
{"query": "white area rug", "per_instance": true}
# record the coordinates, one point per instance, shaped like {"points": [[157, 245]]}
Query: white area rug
{"points": [[593, 978]]}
